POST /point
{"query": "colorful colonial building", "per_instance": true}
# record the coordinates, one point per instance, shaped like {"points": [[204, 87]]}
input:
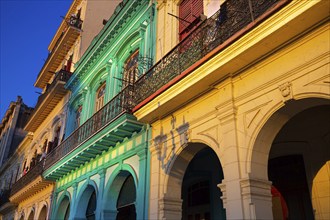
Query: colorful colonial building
{"points": [[101, 169], [183, 109], [238, 103]]}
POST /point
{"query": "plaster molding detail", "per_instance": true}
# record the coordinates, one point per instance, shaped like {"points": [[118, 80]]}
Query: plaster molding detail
{"points": [[170, 208], [322, 81], [286, 91], [256, 187], [211, 133], [251, 115], [223, 189], [226, 115]]}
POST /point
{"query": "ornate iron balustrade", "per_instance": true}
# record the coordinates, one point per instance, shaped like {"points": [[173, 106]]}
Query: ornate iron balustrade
{"points": [[33, 173], [61, 75], [120, 104], [233, 16]]}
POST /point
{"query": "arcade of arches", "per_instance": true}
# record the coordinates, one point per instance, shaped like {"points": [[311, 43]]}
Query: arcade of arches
{"points": [[89, 206]]}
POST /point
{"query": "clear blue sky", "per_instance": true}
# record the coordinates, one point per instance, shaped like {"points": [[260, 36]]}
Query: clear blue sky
{"points": [[27, 27]]}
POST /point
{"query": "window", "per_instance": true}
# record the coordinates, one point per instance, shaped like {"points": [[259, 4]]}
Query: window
{"points": [[100, 97], [130, 74], [69, 63], [91, 207], [78, 116], [57, 137], [189, 11]]}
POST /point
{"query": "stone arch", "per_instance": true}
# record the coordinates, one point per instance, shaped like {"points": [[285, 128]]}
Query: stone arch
{"points": [[210, 142], [113, 187], [173, 182], [125, 47], [279, 151], [63, 204], [83, 198], [264, 134], [31, 215], [21, 215], [98, 79], [43, 211]]}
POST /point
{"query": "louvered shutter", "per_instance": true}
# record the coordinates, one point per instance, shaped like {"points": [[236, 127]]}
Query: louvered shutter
{"points": [[189, 10]]}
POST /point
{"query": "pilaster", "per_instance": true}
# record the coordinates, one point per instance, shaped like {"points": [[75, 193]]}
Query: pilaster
{"points": [[100, 205], [257, 198]]}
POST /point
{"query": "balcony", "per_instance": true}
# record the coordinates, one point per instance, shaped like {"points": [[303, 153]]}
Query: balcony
{"points": [[103, 130], [213, 35], [29, 184], [48, 100], [61, 48]]}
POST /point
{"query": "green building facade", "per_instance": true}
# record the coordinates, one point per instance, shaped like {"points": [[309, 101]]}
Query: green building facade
{"points": [[102, 167]]}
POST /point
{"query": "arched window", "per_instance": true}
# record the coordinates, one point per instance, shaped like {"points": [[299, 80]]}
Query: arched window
{"points": [[78, 116], [91, 207], [57, 136], [131, 72], [126, 200], [100, 97], [189, 12]]}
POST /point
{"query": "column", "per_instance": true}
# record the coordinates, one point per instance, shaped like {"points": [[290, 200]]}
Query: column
{"points": [[257, 198], [100, 205], [108, 93], [230, 186], [142, 190], [87, 105], [73, 202]]}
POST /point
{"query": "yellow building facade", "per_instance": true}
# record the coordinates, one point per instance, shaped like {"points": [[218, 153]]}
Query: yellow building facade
{"points": [[248, 123]]}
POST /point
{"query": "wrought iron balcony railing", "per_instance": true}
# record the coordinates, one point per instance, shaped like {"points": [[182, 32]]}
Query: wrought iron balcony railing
{"points": [[233, 16], [61, 75], [121, 103], [31, 175]]}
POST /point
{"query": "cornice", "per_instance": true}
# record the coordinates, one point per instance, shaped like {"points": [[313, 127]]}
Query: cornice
{"points": [[104, 39]]}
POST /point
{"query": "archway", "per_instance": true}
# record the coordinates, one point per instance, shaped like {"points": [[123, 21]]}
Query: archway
{"points": [[31, 215], [120, 200], [22, 216], [87, 204], [43, 213], [298, 152], [63, 211], [126, 200], [192, 183], [294, 137]]}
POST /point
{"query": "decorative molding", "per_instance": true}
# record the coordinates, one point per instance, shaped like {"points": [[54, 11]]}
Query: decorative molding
{"points": [[286, 91], [250, 115], [322, 81], [211, 133], [256, 188]]}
